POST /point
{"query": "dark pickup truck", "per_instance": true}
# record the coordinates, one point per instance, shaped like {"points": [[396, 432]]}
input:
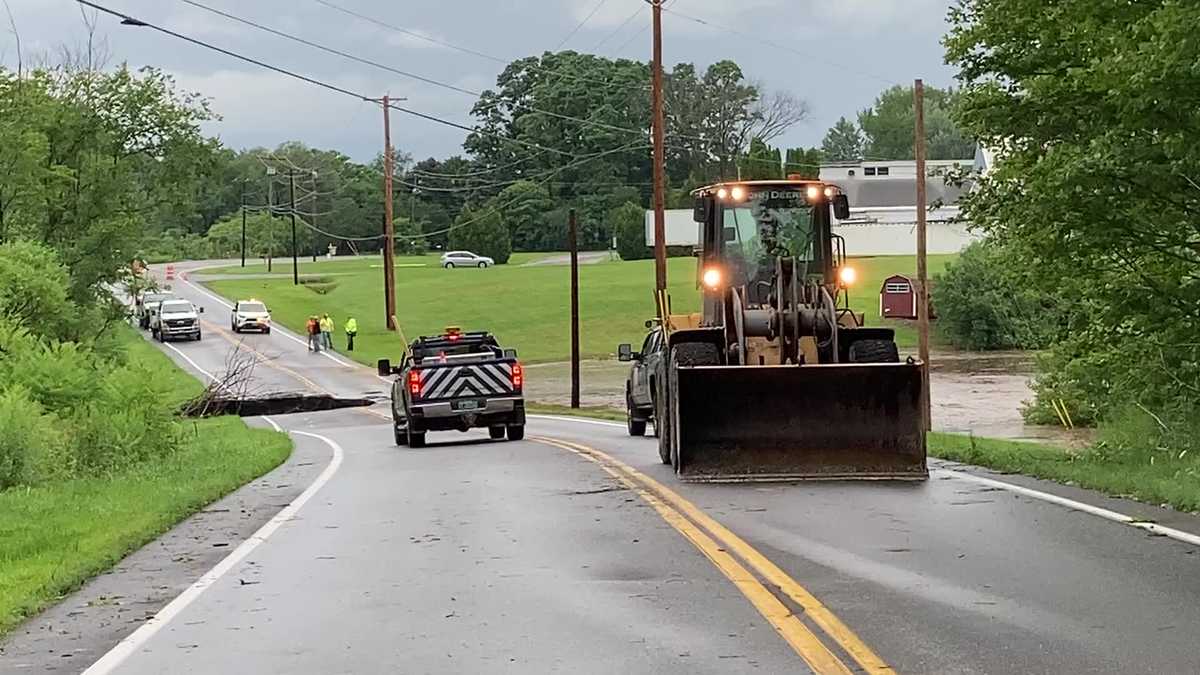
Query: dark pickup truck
{"points": [[456, 381]]}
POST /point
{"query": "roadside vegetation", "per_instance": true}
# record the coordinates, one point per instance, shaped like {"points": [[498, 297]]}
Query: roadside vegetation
{"points": [[94, 459], [527, 307], [1090, 213]]}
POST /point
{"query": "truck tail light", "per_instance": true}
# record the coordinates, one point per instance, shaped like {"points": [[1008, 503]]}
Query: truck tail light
{"points": [[414, 383], [518, 377]]}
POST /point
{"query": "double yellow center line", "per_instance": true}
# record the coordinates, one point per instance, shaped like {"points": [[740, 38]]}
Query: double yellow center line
{"points": [[735, 559]]}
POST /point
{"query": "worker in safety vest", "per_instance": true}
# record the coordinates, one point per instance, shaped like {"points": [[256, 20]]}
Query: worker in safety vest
{"points": [[351, 331], [326, 325]]}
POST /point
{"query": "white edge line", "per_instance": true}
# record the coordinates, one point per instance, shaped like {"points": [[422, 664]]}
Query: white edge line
{"points": [[1100, 512], [138, 638], [282, 332], [582, 420], [1107, 514], [195, 365]]}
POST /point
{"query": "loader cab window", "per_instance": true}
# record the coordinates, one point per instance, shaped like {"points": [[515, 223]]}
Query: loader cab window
{"points": [[768, 223]]}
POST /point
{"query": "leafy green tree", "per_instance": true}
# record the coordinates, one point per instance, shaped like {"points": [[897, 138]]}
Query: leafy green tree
{"points": [[629, 222], [761, 162], [265, 235], [888, 126], [1092, 110], [482, 231], [804, 163], [524, 208], [843, 142]]}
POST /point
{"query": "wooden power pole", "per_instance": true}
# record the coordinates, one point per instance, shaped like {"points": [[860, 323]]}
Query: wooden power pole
{"points": [[656, 103], [389, 231], [573, 244], [922, 267], [295, 247]]}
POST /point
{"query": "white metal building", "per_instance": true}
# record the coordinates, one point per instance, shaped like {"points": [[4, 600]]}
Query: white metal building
{"points": [[883, 212]]}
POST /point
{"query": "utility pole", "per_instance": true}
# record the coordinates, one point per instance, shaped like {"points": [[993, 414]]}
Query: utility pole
{"points": [[573, 244], [270, 215], [243, 222], [315, 204], [922, 267], [389, 231], [295, 248], [656, 102]]}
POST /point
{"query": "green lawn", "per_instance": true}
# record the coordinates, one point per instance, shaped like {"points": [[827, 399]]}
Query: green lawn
{"points": [[527, 307], [57, 536], [356, 264]]}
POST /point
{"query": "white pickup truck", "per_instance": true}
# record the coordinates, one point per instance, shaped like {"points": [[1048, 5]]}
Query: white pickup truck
{"points": [[175, 319]]}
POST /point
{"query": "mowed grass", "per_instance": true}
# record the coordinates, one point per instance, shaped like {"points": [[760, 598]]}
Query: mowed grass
{"points": [[358, 263], [528, 308], [55, 537]]}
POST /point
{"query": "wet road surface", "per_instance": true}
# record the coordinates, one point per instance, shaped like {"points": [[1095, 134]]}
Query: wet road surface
{"points": [[479, 556]]}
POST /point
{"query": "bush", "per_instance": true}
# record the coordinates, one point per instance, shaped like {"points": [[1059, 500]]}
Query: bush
{"points": [[629, 223], [29, 440], [983, 303], [481, 231], [130, 420]]}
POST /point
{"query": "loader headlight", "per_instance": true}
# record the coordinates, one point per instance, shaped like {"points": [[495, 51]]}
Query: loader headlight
{"points": [[738, 193], [711, 278], [847, 275]]}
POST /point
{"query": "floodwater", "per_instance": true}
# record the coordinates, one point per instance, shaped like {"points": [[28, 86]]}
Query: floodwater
{"points": [[976, 393]]}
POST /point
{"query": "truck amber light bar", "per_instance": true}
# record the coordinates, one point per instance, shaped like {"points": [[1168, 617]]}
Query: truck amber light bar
{"points": [[414, 383], [518, 377]]}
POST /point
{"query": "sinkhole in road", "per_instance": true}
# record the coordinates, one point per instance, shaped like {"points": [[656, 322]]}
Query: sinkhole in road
{"points": [[273, 404]]}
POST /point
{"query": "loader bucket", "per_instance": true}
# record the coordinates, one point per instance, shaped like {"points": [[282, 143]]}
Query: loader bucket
{"points": [[838, 421]]}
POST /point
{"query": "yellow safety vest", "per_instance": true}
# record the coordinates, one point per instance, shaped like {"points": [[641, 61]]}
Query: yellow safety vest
{"points": [[326, 325], [351, 326]]}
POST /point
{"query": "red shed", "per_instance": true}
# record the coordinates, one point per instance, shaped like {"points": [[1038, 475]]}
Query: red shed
{"points": [[898, 298]]}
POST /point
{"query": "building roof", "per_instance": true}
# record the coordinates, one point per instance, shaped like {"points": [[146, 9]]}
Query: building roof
{"points": [[883, 192]]}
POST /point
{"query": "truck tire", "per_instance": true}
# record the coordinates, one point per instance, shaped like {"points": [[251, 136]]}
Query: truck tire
{"points": [[662, 428], [874, 351], [516, 432], [634, 426], [496, 433], [416, 439], [401, 436]]}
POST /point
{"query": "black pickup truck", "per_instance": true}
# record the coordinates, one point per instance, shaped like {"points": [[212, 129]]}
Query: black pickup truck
{"points": [[456, 381]]}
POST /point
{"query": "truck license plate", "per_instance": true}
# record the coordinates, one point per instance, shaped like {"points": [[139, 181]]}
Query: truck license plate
{"points": [[466, 405]]}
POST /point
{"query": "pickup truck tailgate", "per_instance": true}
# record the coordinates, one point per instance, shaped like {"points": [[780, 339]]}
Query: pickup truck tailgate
{"points": [[440, 382]]}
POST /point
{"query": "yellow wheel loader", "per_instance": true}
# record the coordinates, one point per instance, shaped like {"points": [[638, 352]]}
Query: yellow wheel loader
{"points": [[776, 378]]}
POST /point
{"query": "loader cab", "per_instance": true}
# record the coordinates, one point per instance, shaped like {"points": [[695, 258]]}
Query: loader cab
{"points": [[745, 226]]}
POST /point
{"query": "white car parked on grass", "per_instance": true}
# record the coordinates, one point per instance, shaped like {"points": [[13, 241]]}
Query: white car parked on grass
{"points": [[452, 259]]}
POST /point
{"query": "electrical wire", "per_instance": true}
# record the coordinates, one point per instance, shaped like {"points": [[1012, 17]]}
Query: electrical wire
{"points": [[759, 39], [459, 48], [390, 69], [581, 24], [130, 20], [619, 28]]}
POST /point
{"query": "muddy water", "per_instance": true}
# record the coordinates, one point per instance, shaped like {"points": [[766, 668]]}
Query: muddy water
{"points": [[973, 393]]}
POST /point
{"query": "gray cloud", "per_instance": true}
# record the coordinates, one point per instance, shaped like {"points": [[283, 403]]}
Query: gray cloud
{"points": [[854, 49]]}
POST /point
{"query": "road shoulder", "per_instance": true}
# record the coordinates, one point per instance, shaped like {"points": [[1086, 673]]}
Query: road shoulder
{"points": [[84, 625]]}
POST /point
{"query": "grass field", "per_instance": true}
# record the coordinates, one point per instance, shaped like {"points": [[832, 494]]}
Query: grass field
{"points": [[55, 537], [527, 307]]}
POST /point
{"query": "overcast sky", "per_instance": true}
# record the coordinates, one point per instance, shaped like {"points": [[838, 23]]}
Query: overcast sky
{"points": [[843, 52]]}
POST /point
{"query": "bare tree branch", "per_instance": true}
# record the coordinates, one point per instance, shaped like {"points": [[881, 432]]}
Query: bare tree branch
{"points": [[774, 114]]}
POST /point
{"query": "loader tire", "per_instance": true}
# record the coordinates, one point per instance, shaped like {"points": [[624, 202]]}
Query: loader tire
{"points": [[662, 427], [695, 354], [874, 351]]}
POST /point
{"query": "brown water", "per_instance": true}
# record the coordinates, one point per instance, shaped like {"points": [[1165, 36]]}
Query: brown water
{"points": [[977, 393]]}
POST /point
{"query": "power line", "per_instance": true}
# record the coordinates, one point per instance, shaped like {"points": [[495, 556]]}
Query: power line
{"points": [[382, 66], [581, 24], [619, 28], [459, 48], [778, 45], [132, 21]]}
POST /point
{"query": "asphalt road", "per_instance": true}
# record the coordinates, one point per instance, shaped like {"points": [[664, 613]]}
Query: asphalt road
{"points": [[575, 550]]}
